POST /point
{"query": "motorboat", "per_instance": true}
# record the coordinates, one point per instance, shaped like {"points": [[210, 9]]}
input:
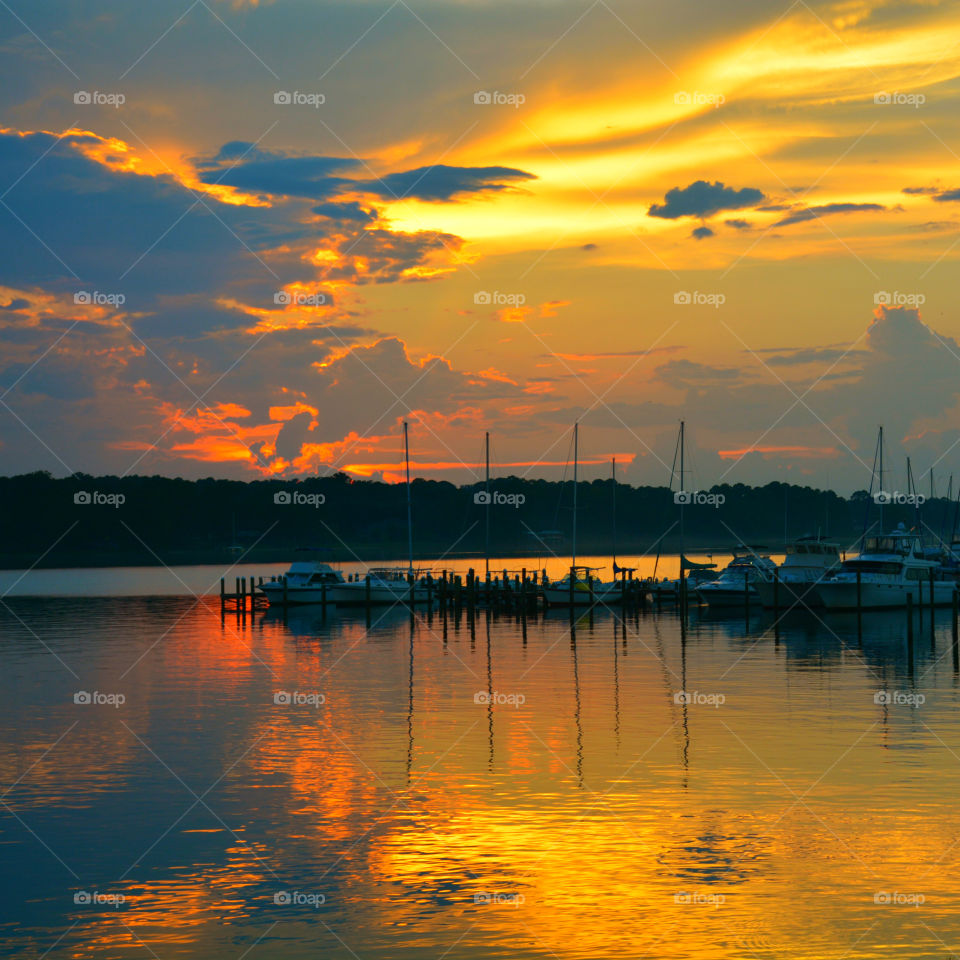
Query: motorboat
{"points": [[386, 585], [808, 561], [890, 567], [737, 582], [307, 581]]}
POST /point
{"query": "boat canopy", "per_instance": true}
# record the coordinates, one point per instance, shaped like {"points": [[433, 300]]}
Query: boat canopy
{"points": [[686, 564]]}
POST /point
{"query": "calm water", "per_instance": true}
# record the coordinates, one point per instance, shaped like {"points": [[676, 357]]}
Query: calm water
{"points": [[471, 789]]}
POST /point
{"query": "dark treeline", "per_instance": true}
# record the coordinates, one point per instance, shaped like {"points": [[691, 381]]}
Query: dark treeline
{"points": [[83, 520]]}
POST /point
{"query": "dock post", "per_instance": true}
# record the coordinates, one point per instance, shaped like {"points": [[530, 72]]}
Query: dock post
{"points": [[910, 622], [571, 588], [323, 597], [746, 593], [955, 630], [859, 605], [285, 595], [776, 592], [366, 592], [590, 589], [933, 608], [223, 600]]}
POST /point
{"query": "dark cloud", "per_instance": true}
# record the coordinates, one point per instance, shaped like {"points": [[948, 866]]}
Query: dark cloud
{"points": [[814, 213], [946, 196], [258, 171], [739, 224], [349, 210], [701, 233], [239, 165], [812, 355], [440, 183], [703, 199], [921, 190]]}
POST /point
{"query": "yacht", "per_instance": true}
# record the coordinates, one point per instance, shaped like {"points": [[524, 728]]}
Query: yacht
{"points": [[307, 581], [387, 585], [891, 567], [808, 561], [737, 581]]}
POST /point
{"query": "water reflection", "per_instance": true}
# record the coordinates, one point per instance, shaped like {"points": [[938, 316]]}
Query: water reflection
{"points": [[721, 786]]}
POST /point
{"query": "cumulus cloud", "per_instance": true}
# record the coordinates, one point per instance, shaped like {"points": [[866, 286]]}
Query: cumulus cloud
{"points": [[703, 199]]}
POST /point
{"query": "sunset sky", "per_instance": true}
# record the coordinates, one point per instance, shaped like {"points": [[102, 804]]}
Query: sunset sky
{"points": [[248, 239]]}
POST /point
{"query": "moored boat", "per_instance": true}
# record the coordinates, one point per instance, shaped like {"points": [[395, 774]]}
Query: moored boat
{"points": [[306, 581], [808, 561], [890, 568], [738, 581]]}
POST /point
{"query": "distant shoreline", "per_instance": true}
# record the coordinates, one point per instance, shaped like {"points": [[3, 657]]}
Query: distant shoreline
{"points": [[380, 554]]}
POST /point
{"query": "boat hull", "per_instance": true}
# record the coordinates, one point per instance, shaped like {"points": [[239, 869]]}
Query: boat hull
{"points": [[842, 595], [789, 594], [355, 594], [296, 595], [727, 596]]}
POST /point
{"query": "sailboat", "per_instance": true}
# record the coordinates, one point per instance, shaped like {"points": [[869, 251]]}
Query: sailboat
{"points": [[890, 568], [696, 573], [576, 588], [388, 584]]}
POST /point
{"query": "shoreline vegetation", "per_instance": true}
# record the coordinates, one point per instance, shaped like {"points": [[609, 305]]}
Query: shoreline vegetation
{"points": [[86, 521]]}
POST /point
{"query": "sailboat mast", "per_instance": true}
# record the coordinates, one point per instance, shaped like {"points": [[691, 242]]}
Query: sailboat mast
{"points": [[613, 474], [486, 487], [406, 456], [682, 490], [880, 445], [573, 552]]}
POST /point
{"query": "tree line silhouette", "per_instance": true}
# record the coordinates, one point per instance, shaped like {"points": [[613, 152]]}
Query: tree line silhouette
{"points": [[83, 520]]}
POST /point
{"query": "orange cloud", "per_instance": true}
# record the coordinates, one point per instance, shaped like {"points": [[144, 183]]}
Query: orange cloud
{"points": [[820, 453]]}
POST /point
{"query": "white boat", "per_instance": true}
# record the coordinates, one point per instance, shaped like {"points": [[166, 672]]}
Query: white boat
{"points": [[737, 581], [307, 581], [892, 567], [808, 561], [586, 589], [387, 585]]}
